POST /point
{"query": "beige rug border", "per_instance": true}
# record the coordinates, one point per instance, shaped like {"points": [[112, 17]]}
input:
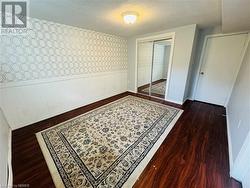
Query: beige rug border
{"points": [[136, 173], [50, 162]]}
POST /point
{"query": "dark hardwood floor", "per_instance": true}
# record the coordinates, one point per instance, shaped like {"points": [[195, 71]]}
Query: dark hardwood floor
{"points": [[194, 154]]}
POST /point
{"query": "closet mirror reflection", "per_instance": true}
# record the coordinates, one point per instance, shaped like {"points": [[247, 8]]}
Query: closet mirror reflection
{"points": [[153, 67]]}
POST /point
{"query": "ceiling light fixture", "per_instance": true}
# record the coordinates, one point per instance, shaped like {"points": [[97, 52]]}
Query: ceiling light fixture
{"points": [[130, 17]]}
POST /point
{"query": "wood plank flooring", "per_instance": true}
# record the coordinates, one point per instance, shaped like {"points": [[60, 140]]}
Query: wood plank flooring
{"points": [[194, 154]]}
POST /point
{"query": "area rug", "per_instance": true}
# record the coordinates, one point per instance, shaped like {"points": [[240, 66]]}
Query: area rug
{"points": [[158, 88], [108, 146]]}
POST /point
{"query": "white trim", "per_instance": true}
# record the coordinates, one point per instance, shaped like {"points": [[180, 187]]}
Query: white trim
{"points": [[152, 38], [201, 61], [131, 91], [225, 34], [151, 69], [170, 66], [136, 67], [176, 102], [155, 37], [58, 79], [229, 142]]}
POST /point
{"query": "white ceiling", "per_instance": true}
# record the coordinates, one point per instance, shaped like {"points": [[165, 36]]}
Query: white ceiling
{"points": [[105, 15], [235, 15]]}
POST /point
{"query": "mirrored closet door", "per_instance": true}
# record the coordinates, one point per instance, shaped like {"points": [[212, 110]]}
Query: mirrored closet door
{"points": [[153, 67]]}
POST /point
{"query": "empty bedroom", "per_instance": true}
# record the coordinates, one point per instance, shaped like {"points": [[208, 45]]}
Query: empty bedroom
{"points": [[125, 93]]}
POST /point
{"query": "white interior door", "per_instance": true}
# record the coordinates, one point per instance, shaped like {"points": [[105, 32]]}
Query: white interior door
{"points": [[220, 60]]}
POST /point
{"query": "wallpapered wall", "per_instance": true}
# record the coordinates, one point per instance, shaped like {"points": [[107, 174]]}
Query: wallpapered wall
{"points": [[56, 68], [54, 50]]}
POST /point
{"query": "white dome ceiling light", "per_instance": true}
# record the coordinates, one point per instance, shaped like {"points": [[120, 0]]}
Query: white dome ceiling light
{"points": [[130, 17]]}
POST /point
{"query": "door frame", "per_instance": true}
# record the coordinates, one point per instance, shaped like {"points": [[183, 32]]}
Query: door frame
{"points": [[201, 61], [153, 38]]}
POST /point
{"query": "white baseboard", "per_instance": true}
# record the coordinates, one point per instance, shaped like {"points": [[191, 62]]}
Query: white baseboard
{"points": [[176, 102], [131, 91]]}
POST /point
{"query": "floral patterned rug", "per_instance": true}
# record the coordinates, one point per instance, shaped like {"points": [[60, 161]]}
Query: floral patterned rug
{"points": [[158, 88], [108, 146]]}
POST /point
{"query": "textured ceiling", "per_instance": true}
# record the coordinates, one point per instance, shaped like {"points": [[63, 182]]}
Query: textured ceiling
{"points": [[105, 15], [235, 15]]}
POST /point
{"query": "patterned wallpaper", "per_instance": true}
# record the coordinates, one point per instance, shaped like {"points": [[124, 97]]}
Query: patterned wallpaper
{"points": [[53, 50]]}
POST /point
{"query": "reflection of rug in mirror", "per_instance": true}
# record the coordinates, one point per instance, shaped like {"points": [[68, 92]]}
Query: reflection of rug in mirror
{"points": [[108, 146], [158, 88]]}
